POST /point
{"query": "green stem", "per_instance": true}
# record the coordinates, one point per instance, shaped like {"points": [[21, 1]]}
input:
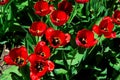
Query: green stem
{"points": [[72, 59], [74, 12]]}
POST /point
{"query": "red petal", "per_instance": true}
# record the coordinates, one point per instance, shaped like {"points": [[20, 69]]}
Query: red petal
{"points": [[48, 33], [67, 37], [34, 76], [41, 43], [51, 65], [23, 52], [96, 29], [111, 35], [82, 1], [8, 60]]}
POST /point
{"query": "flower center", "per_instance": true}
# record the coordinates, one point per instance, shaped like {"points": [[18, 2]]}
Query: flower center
{"points": [[56, 41], [105, 29], [39, 66], [83, 40], [38, 31], [41, 53], [19, 60], [57, 20]]}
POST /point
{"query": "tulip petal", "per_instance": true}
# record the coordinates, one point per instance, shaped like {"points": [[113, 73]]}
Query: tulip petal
{"points": [[51, 65], [8, 60]]}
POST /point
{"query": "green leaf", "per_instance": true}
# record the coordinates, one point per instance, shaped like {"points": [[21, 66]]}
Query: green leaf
{"points": [[25, 72], [60, 71], [15, 76], [78, 57], [7, 73]]}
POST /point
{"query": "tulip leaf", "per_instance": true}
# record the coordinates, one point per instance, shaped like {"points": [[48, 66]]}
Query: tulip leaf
{"points": [[60, 71], [6, 74]]}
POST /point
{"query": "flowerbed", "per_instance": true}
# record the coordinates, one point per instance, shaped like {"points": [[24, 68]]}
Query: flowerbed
{"points": [[60, 39]]}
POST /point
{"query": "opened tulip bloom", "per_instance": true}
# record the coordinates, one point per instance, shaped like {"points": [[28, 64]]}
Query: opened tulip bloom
{"points": [[39, 67], [38, 28], [42, 8], [105, 27], [116, 17], [85, 38], [42, 50], [17, 56], [59, 17], [57, 38]]}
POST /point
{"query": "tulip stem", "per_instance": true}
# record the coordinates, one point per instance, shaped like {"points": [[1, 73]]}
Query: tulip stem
{"points": [[73, 14]]}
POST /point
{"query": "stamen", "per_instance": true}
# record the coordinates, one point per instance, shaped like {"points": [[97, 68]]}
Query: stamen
{"points": [[57, 20], [118, 19], [19, 61], [39, 66], [56, 41], [105, 29], [41, 53], [83, 40]]}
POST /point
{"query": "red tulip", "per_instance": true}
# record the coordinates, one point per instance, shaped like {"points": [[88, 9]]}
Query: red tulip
{"points": [[65, 6], [42, 50], [57, 38], [105, 27], [17, 56], [116, 17], [58, 17], [3, 2], [39, 67], [82, 1], [85, 38], [42, 8], [37, 28]]}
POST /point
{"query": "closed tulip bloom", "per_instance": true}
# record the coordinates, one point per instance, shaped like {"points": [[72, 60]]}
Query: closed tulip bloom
{"points": [[65, 6], [116, 17]]}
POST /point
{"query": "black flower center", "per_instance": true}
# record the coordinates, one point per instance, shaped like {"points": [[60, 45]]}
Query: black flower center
{"points": [[39, 66], [19, 60], [55, 41], [41, 53], [82, 40]]}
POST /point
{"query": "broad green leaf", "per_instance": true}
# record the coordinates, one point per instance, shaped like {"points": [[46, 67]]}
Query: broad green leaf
{"points": [[7, 73], [60, 71]]}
